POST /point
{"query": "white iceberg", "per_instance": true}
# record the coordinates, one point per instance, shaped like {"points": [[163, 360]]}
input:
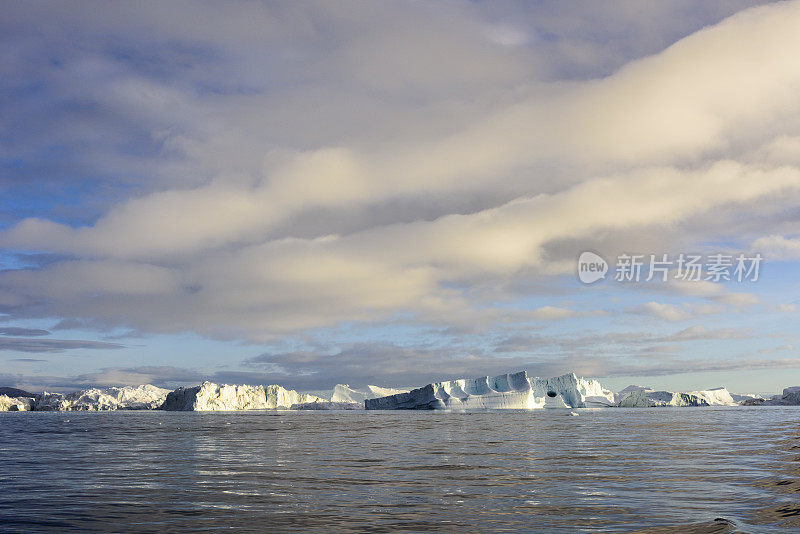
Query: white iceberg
{"points": [[625, 392], [145, 397], [647, 398], [511, 391], [15, 404], [716, 397], [213, 397], [642, 396], [344, 393]]}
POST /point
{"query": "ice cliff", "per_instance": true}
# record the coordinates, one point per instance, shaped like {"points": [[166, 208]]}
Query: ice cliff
{"points": [[344, 393], [146, 397], [213, 397], [511, 391]]}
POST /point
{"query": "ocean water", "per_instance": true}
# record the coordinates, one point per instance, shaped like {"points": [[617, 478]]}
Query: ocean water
{"points": [[649, 470]]}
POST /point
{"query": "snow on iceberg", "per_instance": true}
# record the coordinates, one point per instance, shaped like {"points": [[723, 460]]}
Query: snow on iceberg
{"points": [[510, 391], [15, 404], [344, 393], [146, 397], [213, 397], [646, 398]]}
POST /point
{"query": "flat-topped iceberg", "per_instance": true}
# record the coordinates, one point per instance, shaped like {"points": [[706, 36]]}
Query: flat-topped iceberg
{"points": [[644, 397], [213, 397], [146, 397], [647, 398], [344, 393], [510, 391]]}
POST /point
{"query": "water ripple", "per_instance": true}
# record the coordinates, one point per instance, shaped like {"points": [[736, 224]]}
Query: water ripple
{"points": [[639, 470]]}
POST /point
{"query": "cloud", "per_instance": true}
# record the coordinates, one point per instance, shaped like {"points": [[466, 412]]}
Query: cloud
{"points": [[26, 332], [294, 284], [778, 247], [701, 333], [713, 291], [19, 344], [552, 312], [669, 312], [664, 311]]}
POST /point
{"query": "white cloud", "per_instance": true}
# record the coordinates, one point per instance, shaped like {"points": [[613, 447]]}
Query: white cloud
{"points": [[664, 311], [778, 247]]}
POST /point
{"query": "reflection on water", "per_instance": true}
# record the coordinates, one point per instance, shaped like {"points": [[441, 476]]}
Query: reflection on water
{"points": [[643, 470]]}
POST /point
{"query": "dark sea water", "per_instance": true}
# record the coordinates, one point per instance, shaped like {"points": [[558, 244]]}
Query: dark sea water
{"points": [[659, 470]]}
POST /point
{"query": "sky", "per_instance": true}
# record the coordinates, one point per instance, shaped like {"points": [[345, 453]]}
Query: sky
{"points": [[393, 193]]}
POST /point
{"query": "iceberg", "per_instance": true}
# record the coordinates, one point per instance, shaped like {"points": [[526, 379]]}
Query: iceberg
{"points": [[789, 397], [15, 404], [624, 392], [145, 397], [510, 391], [641, 396], [646, 398], [716, 397], [740, 398], [213, 397], [328, 405], [344, 393]]}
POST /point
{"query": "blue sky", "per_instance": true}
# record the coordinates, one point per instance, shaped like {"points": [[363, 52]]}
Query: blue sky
{"points": [[393, 193]]}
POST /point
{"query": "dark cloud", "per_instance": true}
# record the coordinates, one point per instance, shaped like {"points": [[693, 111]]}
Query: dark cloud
{"points": [[20, 344], [23, 332]]}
